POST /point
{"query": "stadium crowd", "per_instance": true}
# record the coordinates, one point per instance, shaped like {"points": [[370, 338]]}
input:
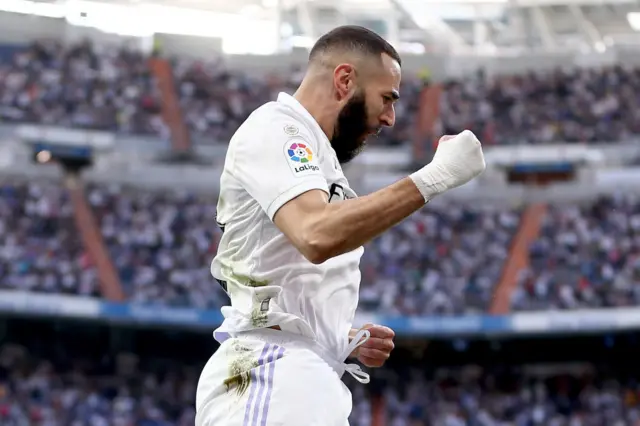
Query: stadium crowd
{"points": [[581, 105], [113, 89], [215, 101], [570, 106], [86, 392], [483, 398], [40, 249], [81, 86], [161, 243], [117, 391], [587, 256], [443, 260]]}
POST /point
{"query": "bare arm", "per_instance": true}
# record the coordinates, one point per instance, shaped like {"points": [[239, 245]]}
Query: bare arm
{"points": [[321, 230]]}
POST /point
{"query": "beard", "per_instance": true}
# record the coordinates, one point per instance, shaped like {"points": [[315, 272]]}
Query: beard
{"points": [[352, 129]]}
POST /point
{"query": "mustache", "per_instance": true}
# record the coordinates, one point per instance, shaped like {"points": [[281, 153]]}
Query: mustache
{"points": [[374, 132]]}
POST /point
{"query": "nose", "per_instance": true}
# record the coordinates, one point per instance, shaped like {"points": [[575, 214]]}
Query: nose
{"points": [[388, 117]]}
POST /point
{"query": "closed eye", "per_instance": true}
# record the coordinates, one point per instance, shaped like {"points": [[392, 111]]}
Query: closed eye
{"points": [[391, 97]]}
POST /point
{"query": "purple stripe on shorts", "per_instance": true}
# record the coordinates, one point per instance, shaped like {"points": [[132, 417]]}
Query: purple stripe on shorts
{"points": [[261, 385], [253, 385], [267, 400]]}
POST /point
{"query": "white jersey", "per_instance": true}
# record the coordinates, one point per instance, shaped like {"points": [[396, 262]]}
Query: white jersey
{"points": [[278, 153]]}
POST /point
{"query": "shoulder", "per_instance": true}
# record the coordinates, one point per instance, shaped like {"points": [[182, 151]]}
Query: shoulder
{"points": [[280, 119], [273, 124]]}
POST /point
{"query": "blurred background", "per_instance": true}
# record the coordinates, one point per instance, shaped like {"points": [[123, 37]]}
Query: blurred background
{"points": [[515, 298]]}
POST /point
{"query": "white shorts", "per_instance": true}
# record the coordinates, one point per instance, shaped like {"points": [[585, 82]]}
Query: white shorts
{"points": [[270, 378]]}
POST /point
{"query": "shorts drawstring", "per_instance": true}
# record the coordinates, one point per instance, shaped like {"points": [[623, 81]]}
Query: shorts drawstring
{"points": [[354, 369]]}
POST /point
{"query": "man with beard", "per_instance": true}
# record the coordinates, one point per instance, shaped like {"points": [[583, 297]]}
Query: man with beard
{"points": [[292, 239]]}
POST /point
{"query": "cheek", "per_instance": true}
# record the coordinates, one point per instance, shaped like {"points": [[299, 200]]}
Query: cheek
{"points": [[374, 112]]}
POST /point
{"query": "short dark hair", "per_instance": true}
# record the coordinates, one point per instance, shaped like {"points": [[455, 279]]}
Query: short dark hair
{"points": [[356, 39]]}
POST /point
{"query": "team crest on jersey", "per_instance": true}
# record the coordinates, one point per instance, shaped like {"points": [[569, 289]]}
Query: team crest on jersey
{"points": [[291, 130], [301, 157]]}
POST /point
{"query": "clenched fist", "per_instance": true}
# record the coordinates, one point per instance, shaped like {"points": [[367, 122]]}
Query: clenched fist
{"points": [[457, 160], [376, 350]]}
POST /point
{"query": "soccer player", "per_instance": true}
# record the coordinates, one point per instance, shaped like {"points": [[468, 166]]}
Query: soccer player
{"points": [[292, 239]]}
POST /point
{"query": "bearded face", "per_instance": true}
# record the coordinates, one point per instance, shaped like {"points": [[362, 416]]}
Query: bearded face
{"points": [[352, 129]]}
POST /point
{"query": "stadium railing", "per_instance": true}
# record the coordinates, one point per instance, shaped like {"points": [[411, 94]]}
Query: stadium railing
{"points": [[526, 323]]}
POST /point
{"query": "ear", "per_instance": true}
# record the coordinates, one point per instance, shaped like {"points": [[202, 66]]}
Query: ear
{"points": [[344, 81]]}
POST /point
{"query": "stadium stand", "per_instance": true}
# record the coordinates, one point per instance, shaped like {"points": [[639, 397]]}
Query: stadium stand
{"points": [[484, 398], [46, 391], [80, 86], [41, 250], [571, 106], [592, 105], [114, 89], [444, 260], [106, 298], [106, 383], [587, 256], [169, 240], [161, 243], [216, 101]]}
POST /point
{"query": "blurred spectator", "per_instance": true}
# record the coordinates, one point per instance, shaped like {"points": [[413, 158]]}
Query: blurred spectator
{"points": [[444, 260], [488, 399], [39, 245], [162, 244], [582, 105], [586, 105], [215, 101], [81, 86], [83, 392], [112, 89], [587, 256]]}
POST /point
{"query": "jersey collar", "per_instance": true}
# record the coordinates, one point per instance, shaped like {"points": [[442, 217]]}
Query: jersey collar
{"points": [[293, 103]]}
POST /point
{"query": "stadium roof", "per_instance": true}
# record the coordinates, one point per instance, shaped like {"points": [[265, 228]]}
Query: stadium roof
{"points": [[458, 25]]}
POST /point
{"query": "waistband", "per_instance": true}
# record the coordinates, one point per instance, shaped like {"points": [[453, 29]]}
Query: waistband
{"points": [[285, 338]]}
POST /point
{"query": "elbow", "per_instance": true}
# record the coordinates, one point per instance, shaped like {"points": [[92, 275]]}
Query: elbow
{"points": [[317, 258], [316, 253], [317, 248]]}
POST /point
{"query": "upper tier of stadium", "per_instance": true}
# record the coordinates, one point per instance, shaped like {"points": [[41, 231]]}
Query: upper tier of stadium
{"points": [[115, 89]]}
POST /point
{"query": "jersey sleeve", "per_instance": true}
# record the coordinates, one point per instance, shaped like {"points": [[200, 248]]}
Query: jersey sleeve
{"points": [[278, 164]]}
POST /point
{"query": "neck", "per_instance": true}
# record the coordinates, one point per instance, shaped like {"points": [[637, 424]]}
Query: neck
{"points": [[315, 99]]}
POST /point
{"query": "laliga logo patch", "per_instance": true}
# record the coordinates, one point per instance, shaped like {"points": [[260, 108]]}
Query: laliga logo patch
{"points": [[300, 158], [300, 153]]}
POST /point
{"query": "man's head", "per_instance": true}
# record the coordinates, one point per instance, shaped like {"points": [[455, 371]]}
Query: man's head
{"points": [[363, 71]]}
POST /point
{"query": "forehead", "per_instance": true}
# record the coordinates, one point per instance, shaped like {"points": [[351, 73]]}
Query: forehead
{"points": [[389, 74]]}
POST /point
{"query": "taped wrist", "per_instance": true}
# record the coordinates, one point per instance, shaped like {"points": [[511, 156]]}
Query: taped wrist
{"points": [[430, 181]]}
